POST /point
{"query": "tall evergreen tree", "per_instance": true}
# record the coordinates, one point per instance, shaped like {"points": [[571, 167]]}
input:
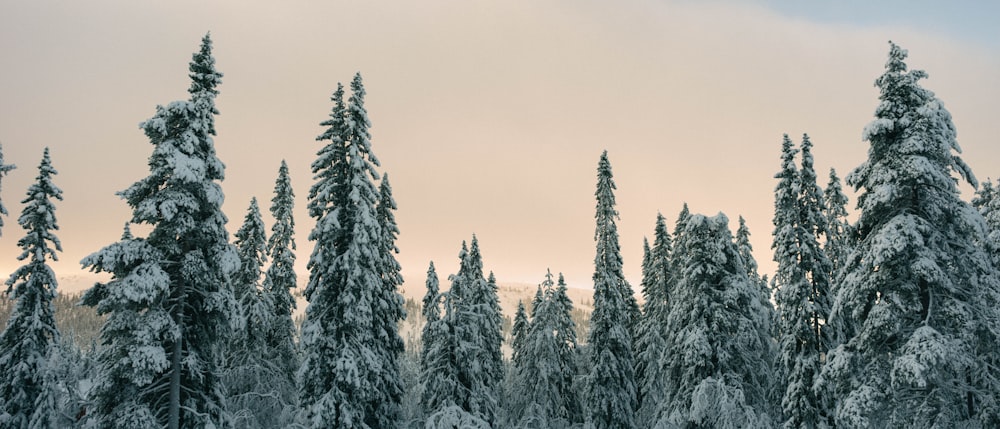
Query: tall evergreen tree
{"points": [[4, 170], [176, 281], [718, 354], [611, 385], [650, 340], [918, 294], [279, 280], [839, 232], [388, 312], [252, 375], [31, 334], [803, 297], [347, 359]]}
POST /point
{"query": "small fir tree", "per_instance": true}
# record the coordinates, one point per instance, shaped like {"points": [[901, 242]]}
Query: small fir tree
{"points": [[252, 377], [839, 232], [31, 333], [650, 341], [718, 354]]}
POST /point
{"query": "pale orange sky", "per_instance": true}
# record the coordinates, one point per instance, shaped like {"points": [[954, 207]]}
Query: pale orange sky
{"points": [[488, 116]]}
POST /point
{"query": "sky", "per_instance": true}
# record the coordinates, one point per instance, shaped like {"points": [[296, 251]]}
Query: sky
{"points": [[489, 117]]}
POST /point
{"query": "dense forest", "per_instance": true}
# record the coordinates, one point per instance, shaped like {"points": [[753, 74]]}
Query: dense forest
{"points": [[891, 319]]}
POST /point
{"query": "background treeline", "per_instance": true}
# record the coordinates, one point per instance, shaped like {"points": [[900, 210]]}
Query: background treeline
{"points": [[892, 320]]}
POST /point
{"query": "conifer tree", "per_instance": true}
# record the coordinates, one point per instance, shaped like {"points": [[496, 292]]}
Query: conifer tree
{"points": [[718, 354], [679, 246], [803, 297], [31, 333], [347, 359], [4, 170], [439, 372], [988, 204], [918, 296], [478, 334], [839, 232], [252, 375], [750, 263], [544, 395], [175, 282], [611, 385], [518, 333], [279, 280], [388, 312], [431, 311], [650, 341]]}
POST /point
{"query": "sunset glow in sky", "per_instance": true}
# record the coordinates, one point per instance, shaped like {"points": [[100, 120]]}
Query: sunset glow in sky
{"points": [[489, 117]]}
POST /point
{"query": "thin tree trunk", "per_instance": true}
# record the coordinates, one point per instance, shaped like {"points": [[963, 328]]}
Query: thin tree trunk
{"points": [[174, 414]]}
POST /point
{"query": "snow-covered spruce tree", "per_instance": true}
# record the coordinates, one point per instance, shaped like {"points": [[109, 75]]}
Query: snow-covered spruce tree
{"points": [[279, 280], [750, 263], [431, 311], [439, 378], [803, 296], [544, 392], [169, 299], [839, 232], [388, 312], [477, 319], [567, 348], [918, 294], [345, 371], [518, 334], [650, 340], [718, 355], [610, 395], [251, 373], [679, 246], [988, 204], [4, 170], [31, 333]]}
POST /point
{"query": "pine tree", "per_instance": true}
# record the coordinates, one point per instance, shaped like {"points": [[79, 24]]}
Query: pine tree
{"points": [[611, 385], [4, 170], [252, 375], [279, 280], [750, 263], [439, 377], [918, 297], [431, 311], [718, 354], [544, 394], [345, 362], [388, 312], [839, 232], [168, 366], [650, 340], [988, 204], [477, 326], [31, 334], [518, 333], [803, 297]]}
